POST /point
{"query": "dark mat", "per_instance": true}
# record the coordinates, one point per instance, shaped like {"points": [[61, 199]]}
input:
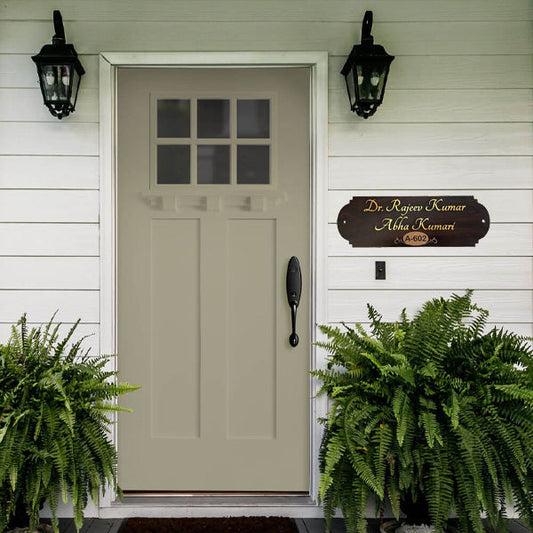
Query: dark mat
{"points": [[254, 524]]}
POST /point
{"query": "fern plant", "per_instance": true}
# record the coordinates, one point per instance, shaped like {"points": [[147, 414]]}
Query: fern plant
{"points": [[430, 414], [55, 407]]}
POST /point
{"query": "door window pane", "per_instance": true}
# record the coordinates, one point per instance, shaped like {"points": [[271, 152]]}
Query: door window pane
{"points": [[213, 119], [173, 118], [253, 164], [253, 119], [213, 164], [173, 164]]}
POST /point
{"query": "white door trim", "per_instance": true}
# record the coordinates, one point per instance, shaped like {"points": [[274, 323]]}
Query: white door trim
{"points": [[318, 64]]}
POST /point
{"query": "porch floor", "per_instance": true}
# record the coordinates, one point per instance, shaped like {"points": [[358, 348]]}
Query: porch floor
{"points": [[305, 525]]}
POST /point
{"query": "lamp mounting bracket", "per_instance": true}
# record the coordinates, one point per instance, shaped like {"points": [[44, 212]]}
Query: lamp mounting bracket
{"points": [[366, 38], [59, 29]]}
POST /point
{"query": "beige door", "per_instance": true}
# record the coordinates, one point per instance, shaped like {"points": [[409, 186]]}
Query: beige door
{"points": [[213, 200]]}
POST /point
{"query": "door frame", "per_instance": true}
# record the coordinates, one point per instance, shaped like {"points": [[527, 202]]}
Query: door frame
{"points": [[317, 62]]}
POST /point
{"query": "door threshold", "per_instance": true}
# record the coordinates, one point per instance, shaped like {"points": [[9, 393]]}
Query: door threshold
{"points": [[214, 505], [172, 499]]}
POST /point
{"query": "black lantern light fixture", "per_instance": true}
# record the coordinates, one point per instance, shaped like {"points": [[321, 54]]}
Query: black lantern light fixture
{"points": [[366, 71], [60, 72]]}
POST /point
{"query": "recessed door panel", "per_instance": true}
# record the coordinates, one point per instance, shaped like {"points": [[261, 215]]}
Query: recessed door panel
{"points": [[252, 400], [175, 279]]}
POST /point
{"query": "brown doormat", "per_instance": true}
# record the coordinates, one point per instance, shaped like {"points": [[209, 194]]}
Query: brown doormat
{"points": [[254, 524]]}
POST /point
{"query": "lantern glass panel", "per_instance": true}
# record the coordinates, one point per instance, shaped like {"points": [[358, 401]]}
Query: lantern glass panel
{"points": [[370, 82], [351, 87], [75, 86], [57, 82]]}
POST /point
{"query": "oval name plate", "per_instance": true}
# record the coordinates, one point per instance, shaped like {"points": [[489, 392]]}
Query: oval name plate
{"points": [[379, 221]]}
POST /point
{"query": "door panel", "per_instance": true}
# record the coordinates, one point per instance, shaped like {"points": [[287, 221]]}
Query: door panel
{"points": [[175, 280], [213, 200], [251, 326]]}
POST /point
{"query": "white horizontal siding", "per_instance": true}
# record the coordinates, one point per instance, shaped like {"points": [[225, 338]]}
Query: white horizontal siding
{"points": [[462, 72], [54, 138], [431, 173], [431, 273], [41, 305], [49, 273], [38, 239], [406, 38], [48, 172], [442, 105], [371, 138], [48, 206], [269, 10]]}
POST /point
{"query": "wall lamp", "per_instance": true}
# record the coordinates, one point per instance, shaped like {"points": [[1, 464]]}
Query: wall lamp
{"points": [[366, 71], [60, 72]]}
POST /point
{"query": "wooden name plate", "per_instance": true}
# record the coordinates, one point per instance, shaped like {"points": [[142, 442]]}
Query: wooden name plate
{"points": [[379, 221]]}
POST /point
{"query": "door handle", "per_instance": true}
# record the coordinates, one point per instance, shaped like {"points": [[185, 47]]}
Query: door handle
{"points": [[294, 291]]}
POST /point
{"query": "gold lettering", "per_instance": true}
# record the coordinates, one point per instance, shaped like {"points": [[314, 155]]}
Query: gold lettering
{"points": [[419, 223], [393, 225], [399, 224], [371, 206], [387, 222], [436, 204], [423, 224], [394, 205], [453, 208]]}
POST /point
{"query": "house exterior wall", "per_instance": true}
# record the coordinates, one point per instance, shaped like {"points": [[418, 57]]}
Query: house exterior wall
{"points": [[456, 120]]}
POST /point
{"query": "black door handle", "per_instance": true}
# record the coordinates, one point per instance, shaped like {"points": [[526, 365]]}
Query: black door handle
{"points": [[294, 291]]}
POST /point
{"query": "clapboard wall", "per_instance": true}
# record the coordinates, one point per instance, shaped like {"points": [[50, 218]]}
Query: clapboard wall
{"points": [[456, 120]]}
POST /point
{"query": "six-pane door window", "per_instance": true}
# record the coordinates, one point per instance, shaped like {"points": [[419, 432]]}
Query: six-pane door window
{"points": [[213, 141]]}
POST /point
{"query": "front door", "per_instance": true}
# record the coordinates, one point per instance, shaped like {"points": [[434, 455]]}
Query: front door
{"points": [[213, 200]]}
